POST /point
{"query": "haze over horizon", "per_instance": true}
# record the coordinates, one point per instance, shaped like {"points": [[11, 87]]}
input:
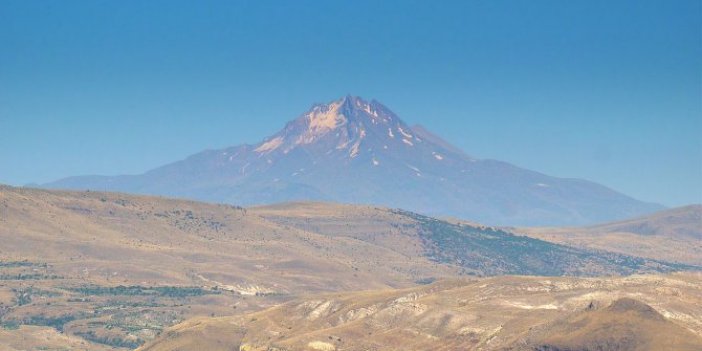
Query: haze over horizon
{"points": [[594, 90]]}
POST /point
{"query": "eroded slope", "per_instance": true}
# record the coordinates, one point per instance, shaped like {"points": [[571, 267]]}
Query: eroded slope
{"points": [[516, 313]]}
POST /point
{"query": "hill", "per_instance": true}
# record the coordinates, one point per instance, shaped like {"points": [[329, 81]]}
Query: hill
{"points": [[116, 269], [673, 235], [354, 151], [503, 313], [681, 222], [626, 324], [474, 248]]}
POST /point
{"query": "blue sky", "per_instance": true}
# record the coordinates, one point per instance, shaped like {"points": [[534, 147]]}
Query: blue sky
{"points": [[608, 91]]}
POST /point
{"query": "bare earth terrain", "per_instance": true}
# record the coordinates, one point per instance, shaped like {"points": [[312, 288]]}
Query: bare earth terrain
{"points": [[673, 235], [503, 313], [97, 271]]}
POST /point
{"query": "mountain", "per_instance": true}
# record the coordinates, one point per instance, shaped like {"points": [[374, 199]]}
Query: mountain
{"points": [[672, 235], [354, 151], [502, 313]]}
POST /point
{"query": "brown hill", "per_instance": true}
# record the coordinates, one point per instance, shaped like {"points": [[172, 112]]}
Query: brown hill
{"points": [[515, 313], [124, 239], [625, 325], [113, 270], [672, 235], [681, 222], [116, 270], [112, 238]]}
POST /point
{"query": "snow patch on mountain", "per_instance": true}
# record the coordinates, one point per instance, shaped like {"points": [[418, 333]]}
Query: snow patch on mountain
{"points": [[342, 145], [325, 119], [402, 131], [270, 145], [354, 149], [368, 109], [321, 120], [414, 169]]}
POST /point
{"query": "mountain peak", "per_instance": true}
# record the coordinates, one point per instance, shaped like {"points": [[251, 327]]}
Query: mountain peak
{"points": [[350, 107], [345, 105], [346, 121]]}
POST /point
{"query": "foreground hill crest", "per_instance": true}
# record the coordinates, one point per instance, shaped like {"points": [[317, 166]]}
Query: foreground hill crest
{"points": [[355, 151]]}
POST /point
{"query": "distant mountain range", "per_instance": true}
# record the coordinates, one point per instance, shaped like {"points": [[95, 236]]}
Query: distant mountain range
{"points": [[355, 151]]}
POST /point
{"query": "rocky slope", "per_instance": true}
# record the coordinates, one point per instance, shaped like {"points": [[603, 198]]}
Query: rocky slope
{"points": [[626, 324], [504, 313]]}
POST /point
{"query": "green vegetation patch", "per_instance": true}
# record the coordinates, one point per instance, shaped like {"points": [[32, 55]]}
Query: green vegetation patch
{"points": [[492, 251], [56, 322], [29, 276], [110, 340], [25, 263], [135, 290]]}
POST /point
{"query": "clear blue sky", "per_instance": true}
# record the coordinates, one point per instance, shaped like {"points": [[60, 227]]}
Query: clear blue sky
{"points": [[608, 91]]}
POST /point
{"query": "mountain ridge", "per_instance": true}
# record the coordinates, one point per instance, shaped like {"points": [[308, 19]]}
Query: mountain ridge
{"points": [[354, 151]]}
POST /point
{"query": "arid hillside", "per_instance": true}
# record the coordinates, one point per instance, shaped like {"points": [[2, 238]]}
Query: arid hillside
{"points": [[88, 270], [626, 324], [502, 313], [672, 235], [124, 239], [112, 238]]}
